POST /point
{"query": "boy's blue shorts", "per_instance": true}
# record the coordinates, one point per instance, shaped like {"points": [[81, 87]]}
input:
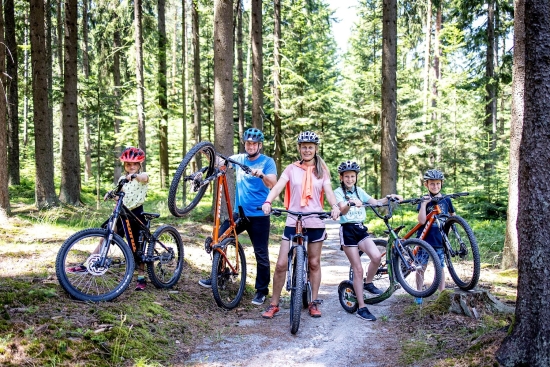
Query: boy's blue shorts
{"points": [[423, 256]]}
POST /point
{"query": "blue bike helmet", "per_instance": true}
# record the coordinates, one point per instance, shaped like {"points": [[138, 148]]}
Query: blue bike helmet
{"points": [[348, 166], [254, 135]]}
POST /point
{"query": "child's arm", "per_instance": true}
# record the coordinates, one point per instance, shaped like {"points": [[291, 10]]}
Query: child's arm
{"points": [[422, 210], [139, 177]]}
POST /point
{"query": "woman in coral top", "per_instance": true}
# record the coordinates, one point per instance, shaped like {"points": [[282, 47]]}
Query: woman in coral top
{"points": [[305, 182]]}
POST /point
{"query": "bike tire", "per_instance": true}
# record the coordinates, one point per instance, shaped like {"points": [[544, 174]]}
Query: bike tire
{"points": [[296, 292], [465, 266], [184, 194], [306, 295], [381, 280], [228, 287], [426, 272], [94, 284], [165, 263], [347, 296]]}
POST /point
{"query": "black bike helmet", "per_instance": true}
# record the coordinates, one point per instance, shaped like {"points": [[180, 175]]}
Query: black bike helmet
{"points": [[348, 166], [254, 135], [308, 137], [434, 174]]}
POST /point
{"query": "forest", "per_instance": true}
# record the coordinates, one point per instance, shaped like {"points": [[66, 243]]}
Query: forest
{"points": [[422, 84]]}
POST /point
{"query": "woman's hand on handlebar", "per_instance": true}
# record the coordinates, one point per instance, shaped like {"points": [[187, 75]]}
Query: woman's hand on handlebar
{"points": [[335, 212]]}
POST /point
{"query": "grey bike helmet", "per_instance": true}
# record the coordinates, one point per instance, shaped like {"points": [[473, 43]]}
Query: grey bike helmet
{"points": [[308, 137], [254, 135], [348, 166], [434, 174]]}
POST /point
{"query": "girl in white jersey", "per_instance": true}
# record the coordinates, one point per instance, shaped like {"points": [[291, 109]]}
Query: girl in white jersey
{"points": [[354, 235]]}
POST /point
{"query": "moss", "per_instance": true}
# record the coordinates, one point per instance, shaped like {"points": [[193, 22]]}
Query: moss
{"points": [[440, 305]]}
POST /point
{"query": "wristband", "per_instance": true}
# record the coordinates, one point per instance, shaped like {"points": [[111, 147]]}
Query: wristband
{"points": [[349, 203], [267, 202]]}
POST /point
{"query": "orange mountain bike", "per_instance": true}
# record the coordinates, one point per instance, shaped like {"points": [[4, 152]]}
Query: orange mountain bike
{"points": [[200, 166], [459, 242]]}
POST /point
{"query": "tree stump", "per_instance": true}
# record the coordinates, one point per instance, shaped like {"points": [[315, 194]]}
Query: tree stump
{"points": [[476, 302]]}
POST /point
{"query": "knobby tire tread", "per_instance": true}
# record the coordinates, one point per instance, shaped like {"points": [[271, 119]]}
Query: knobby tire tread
{"points": [[153, 267], [229, 247], [297, 290]]}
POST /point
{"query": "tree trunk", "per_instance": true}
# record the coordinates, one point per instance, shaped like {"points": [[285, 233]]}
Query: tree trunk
{"points": [[196, 73], [527, 345], [436, 117], [26, 80], [13, 172], [490, 89], [43, 131], [223, 82], [277, 84], [510, 251], [138, 35], [70, 157], [388, 166], [240, 74], [427, 50], [184, 75], [257, 64], [4, 192], [86, 66], [49, 60], [60, 36], [162, 94], [118, 86]]}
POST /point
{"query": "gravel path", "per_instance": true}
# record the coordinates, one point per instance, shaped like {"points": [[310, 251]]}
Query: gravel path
{"points": [[337, 338]]}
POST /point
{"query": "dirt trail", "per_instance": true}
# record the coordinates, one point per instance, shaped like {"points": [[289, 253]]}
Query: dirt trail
{"points": [[337, 338]]}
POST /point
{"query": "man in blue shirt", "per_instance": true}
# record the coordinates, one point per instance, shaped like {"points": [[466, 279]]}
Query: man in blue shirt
{"points": [[251, 192]]}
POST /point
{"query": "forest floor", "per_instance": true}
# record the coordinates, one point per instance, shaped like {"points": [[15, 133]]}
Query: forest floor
{"points": [[41, 325]]}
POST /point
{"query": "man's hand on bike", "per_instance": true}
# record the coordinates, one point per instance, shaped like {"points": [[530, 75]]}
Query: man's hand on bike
{"points": [[257, 173], [266, 208]]}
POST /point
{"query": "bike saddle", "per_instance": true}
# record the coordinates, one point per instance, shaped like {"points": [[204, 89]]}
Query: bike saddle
{"points": [[149, 216]]}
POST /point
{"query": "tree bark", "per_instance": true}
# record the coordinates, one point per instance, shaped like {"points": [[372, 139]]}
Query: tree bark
{"points": [[4, 192], [43, 131], [490, 122], [510, 251], [138, 36], [86, 68], [70, 157], [257, 64], [427, 50], [184, 75], [162, 94], [388, 166], [118, 110], [196, 73], [12, 62], [277, 122], [527, 345], [223, 82], [240, 74]]}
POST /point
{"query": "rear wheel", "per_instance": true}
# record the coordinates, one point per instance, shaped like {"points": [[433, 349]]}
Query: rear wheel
{"points": [[228, 274], [165, 257], [188, 185], [347, 297], [296, 292], [463, 263], [421, 272], [80, 274]]}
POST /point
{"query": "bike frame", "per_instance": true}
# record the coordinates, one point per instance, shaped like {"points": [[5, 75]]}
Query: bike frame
{"points": [[300, 239], [222, 189]]}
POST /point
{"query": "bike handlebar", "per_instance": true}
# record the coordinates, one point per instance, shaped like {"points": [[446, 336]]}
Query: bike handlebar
{"points": [[244, 167], [277, 212], [374, 206], [415, 201]]}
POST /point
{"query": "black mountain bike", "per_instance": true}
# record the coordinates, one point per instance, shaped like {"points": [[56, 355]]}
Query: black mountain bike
{"points": [[297, 281], [106, 263]]}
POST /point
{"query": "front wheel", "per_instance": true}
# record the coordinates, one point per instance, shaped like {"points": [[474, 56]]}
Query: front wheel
{"points": [[165, 257], [463, 259], [80, 273], [381, 279], [297, 289], [347, 297], [228, 274], [188, 185], [420, 272]]}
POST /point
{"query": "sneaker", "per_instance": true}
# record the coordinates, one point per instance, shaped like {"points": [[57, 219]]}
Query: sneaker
{"points": [[140, 285], [77, 269], [418, 300], [206, 283], [369, 287], [364, 314], [313, 308], [259, 299], [270, 311]]}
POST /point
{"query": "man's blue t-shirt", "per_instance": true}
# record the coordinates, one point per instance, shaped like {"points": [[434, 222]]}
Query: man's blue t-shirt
{"points": [[433, 237], [250, 191]]}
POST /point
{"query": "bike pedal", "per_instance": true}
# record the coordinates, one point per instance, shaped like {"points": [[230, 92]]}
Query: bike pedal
{"points": [[207, 243]]}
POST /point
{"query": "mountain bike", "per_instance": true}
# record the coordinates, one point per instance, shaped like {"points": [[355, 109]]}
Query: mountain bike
{"points": [[200, 166], [412, 264], [297, 280], [106, 262], [459, 242]]}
